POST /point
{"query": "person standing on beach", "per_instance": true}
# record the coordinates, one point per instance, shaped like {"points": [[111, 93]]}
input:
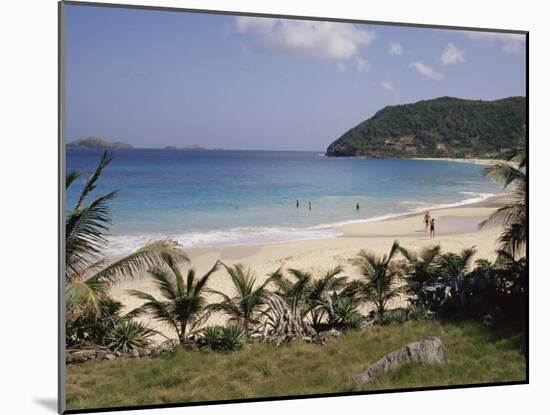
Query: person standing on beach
{"points": [[427, 219], [309, 205], [432, 228], [297, 203]]}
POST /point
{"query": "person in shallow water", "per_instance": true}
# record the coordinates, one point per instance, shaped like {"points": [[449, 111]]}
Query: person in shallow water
{"points": [[432, 228], [309, 205], [297, 203], [357, 206], [427, 219]]}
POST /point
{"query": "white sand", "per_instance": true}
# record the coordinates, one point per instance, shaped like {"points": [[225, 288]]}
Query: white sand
{"points": [[457, 228]]}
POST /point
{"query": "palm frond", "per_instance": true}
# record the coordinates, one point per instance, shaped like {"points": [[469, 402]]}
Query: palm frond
{"points": [[87, 293], [504, 173], [164, 283], [90, 185], [85, 229], [71, 177], [160, 310], [152, 255], [204, 279]]}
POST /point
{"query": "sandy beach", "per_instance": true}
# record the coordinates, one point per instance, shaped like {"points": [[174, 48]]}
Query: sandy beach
{"points": [[456, 228]]}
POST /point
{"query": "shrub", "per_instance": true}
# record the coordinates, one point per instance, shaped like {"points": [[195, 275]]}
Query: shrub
{"points": [[128, 335], [395, 316], [223, 338]]}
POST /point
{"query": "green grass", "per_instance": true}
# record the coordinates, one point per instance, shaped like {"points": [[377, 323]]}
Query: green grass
{"points": [[476, 355]]}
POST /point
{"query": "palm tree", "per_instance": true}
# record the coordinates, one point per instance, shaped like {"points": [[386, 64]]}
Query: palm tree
{"points": [[184, 305], [87, 273], [456, 264], [292, 290], [379, 274], [513, 216], [244, 307], [420, 267]]}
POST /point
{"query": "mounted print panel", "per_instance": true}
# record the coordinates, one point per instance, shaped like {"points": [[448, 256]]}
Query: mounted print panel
{"points": [[264, 207]]}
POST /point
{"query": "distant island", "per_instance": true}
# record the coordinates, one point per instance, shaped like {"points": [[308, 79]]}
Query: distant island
{"points": [[95, 142], [189, 147], [441, 127]]}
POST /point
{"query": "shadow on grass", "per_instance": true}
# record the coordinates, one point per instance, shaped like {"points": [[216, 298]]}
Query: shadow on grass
{"points": [[510, 334]]}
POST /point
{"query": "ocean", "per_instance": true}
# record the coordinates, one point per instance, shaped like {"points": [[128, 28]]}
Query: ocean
{"points": [[221, 197]]}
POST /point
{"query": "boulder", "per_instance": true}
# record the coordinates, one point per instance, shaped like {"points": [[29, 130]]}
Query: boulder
{"points": [[101, 355], [81, 356], [325, 337], [145, 352], [78, 358], [110, 356], [431, 350], [134, 353]]}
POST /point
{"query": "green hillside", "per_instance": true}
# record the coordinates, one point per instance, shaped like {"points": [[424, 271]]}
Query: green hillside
{"points": [[441, 127]]}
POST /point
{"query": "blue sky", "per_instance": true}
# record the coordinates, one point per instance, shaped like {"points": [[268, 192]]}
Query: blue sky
{"points": [[157, 78]]}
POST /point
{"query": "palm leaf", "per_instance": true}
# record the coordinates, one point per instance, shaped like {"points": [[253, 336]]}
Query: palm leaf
{"points": [[71, 177], [90, 185], [151, 255], [87, 293], [84, 238]]}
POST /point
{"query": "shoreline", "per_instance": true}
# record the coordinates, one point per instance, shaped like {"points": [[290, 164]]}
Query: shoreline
{"points": [[480, 161], [456, 229], [331, 230]]}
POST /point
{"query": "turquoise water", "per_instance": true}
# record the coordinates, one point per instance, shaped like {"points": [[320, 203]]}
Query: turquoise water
{"points": [[192, 196]]}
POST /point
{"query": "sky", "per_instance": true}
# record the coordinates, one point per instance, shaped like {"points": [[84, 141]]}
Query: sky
{"points": [[160, 78]]}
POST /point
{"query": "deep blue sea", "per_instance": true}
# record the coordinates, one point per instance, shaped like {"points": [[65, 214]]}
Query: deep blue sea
{"points": [[192, 196]]}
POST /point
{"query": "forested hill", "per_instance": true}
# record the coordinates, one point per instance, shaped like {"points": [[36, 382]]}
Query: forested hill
{"points": [[441, 127]]}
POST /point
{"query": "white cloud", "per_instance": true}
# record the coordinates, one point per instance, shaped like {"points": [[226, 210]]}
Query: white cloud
{"points": [[452, 55], [388, 86], [396, 49], [321, 40], [508, 42], [426, 71], [362, 64]]}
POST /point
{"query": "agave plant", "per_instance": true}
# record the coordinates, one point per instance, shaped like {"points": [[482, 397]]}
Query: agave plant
{"points": [[308, 292], [184, 305], [342, 310], [88, 273], [128, 335], [513, 216], [245, 306], [223, 338], [396, 316], [283, 321], [380, 273]]}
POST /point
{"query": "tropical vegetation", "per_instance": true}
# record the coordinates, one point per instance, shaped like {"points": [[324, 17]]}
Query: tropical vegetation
{"points": [[477, 307], [90, 311], [441, 127]]}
